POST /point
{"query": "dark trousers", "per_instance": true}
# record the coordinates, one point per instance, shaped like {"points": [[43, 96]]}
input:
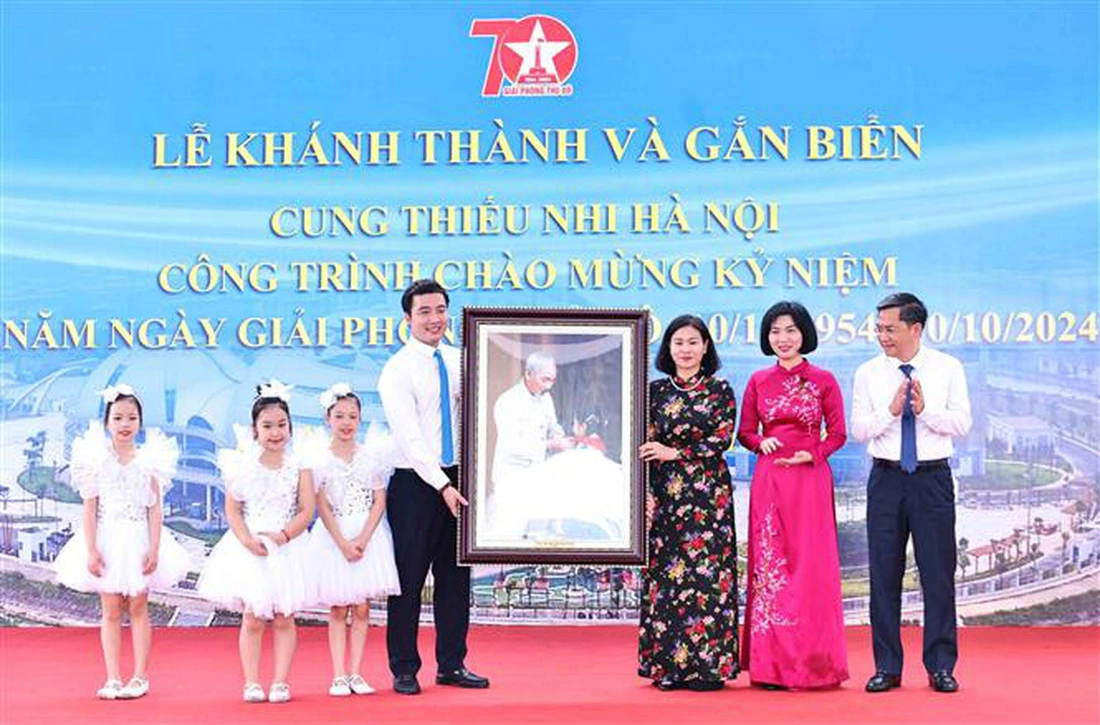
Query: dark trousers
{"points": [[922, 504], [425, 534]]}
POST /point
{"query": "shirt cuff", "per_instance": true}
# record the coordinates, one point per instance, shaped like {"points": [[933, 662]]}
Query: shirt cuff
{"points": [[883, 421], [439, 481], [929, 411]]}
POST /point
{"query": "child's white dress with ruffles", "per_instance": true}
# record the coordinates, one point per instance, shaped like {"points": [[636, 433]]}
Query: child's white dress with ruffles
{"points": [[234, 577], [350, 490], [124, 492]]}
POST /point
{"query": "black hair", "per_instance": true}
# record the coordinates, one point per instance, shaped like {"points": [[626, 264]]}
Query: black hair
{"points": [[261, 402], [346, 396], [802, 320], [422, 287], [911, 309], [131, 398], [666, 365]]}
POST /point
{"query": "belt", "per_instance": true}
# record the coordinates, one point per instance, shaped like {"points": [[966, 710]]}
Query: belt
{"points": [[921, 466]]}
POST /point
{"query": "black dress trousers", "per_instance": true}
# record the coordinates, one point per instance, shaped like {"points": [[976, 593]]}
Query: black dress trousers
{"points": [[921, 503], [425, 535]]}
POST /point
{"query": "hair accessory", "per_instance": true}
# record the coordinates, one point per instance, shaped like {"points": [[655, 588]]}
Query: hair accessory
{"points": [[112, 392], [334, 393], [274, 389]]}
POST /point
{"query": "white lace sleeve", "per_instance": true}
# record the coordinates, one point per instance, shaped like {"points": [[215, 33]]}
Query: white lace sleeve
{"points": [[239, 465], [376, 457], [311, 450], [91, 452], [157, 458]]}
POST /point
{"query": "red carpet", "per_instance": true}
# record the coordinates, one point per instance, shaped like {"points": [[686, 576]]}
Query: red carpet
{"points": [[543, 674]]}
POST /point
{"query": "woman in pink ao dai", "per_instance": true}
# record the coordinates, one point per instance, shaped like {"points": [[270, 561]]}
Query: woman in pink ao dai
{"points": [[794, 621]]}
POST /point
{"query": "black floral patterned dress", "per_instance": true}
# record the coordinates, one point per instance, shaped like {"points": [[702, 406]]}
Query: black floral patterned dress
{"points": [[689, 589]]}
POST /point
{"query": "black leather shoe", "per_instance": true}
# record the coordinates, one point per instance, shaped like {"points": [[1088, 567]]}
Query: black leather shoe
{"points": [[943, 681], [667, 684], [705, 685], [881, 682], [462, 677], [769, 686], [406, 685]]}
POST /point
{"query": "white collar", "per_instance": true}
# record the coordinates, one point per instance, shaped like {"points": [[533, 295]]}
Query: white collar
{"points": [[917, 361], [421, 348]]}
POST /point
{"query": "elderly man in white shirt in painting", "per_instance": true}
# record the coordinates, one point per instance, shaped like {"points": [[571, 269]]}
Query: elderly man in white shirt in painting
{"points": [[907, 405], [527, 431]]}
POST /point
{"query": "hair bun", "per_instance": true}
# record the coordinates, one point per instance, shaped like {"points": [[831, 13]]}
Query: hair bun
{"points": [[274, 389]]}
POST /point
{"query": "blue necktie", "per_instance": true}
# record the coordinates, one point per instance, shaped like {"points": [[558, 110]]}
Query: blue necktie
{"points": [[908, 426], [448, 457]]}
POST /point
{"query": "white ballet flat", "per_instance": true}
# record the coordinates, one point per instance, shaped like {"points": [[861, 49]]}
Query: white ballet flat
{"points": [[254, 692], [135, 688], [110, 691], [339, 687], [280, 692], [359, 686]]}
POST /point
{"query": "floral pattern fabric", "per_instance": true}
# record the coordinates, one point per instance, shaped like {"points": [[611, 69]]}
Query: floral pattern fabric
{"points": [[689, 591], [794, 622], [769, 577]]}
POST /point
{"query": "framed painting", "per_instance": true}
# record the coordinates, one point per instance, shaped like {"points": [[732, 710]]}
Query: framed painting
{"points": [[554, 409]]}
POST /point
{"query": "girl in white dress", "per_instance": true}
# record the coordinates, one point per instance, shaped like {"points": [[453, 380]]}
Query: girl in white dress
{"points": [[259, 566], [120, 550], [351, 550]]}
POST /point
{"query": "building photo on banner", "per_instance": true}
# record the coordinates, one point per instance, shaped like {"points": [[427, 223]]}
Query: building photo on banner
{"points": [[744, 322]]}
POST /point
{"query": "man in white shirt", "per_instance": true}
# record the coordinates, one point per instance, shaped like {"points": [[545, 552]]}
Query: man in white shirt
{"points": [[527, 429], [420, 387], [907, 405]]}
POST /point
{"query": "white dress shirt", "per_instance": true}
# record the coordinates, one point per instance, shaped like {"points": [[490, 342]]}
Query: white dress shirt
{"points": [[524, 423], [946, 413], [409, 388]]}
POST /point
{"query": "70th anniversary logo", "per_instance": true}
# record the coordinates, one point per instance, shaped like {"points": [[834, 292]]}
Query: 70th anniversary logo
{"points": [[537, 54]]}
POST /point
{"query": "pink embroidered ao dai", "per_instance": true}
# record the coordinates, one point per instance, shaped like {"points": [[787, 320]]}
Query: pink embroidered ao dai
{"points": [[794, 621]]}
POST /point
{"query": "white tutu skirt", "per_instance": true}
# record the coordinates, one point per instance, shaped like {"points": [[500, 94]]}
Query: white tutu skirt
{"points": [[123, 545], [235, 578], [336, 582]]}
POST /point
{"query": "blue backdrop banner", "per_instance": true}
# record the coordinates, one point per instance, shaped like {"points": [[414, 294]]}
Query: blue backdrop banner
{"points": [[199, 197]]}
